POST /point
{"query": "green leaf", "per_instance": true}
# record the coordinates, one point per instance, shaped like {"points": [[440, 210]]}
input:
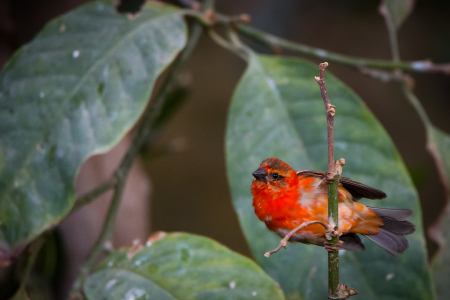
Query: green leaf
{"points": [[439, 146], [74, 91], [180, 266], [277, 111], [398, 10]]}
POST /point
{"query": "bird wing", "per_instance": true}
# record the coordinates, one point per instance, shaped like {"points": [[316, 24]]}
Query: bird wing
{"points": [[357, 189]]}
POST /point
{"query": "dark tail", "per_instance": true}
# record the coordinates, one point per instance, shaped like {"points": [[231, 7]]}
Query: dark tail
{"points": [[391, 237]]}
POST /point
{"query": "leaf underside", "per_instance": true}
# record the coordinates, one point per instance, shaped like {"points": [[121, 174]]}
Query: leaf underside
{"points": [[72, 92], [180, 266], [277, 111]]}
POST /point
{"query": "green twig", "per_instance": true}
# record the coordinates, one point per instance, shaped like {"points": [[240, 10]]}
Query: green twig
{"points": [[276, 43], [396, 57], [32, 253], [415, 102], [392, 31], [95, 193], [234, 45], [333, 256], [333, 175]]}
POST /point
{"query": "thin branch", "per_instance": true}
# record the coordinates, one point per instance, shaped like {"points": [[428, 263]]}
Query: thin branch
{"points": [[431, 146], [95, 193], [389, 76], [330, 109], [283, 242], [220, 40], [277, 43], [108, 225], [333, 183], [234, 45], [415, 102], [406, 87], [32, 251]]}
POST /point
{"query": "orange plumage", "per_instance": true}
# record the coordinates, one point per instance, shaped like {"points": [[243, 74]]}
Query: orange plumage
{"points": [[284, 198]]}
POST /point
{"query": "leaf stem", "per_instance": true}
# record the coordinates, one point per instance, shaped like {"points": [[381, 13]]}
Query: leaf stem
{"points": [[32, 251], [415, 102], [392, 31]]}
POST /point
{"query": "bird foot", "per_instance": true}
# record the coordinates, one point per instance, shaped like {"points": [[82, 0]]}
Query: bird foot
{"points": [[328, 247]]}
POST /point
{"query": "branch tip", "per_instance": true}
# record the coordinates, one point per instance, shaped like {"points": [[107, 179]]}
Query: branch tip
{"points": [[245, 18], [323, 65]]}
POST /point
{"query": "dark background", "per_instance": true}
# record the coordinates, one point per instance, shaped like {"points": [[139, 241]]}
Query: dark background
{"points": [[190, 191]]}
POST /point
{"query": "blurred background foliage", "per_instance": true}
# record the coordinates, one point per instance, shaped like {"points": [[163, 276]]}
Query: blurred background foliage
{"points": [[201, 202]]}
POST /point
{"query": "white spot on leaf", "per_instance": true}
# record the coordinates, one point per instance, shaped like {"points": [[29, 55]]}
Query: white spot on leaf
{"points": [[271, 83], [254, 293], [232, 285], [110, 284], [76, 53], [41, 95], [390, 276]]}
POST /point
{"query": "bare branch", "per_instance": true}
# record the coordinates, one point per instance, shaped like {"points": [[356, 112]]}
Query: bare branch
{"points": [[283, 242], [331, 111], [275, 42]]}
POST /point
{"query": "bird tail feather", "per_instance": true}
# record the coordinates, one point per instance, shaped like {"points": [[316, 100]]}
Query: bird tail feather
{"points": [[391, 237]]}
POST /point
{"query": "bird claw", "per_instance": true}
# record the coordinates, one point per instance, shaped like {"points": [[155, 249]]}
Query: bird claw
{"points": [[329, 248]]}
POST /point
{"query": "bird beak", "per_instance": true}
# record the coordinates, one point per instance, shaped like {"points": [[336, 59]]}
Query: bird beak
{"points": [[261, 175]]}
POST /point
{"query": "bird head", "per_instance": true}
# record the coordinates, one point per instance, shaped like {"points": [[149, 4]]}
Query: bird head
{"points": [[276, 173]]}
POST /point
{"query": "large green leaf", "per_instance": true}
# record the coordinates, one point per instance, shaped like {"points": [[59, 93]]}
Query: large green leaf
{"points": [[439, 147], [75, 90], [277, 111], [180, 266]]}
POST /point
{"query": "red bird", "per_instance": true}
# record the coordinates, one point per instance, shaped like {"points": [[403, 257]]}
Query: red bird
{"points": [[284, 198]]}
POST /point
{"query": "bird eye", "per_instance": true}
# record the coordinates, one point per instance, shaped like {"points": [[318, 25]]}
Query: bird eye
{"points": [[275, 176]]}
